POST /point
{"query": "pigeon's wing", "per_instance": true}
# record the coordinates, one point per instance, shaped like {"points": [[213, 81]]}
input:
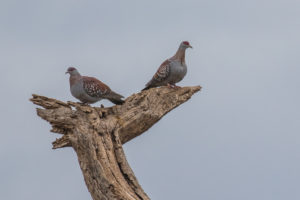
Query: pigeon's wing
{"points": [[160, 76], [94, 87]]}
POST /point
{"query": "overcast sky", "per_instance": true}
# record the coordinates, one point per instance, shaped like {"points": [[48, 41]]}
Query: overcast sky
{"points": [[236, 139]]}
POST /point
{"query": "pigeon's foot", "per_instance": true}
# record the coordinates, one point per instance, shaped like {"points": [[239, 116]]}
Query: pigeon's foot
{"points": [[83, 103], [173, 86]]}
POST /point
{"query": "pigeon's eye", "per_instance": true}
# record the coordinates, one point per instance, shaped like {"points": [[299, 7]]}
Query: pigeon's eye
{"points": [[71, 69], [186, 43]]}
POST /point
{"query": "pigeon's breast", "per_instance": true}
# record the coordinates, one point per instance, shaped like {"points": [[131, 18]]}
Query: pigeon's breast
{"points": [[178, 71], [77, 90]]}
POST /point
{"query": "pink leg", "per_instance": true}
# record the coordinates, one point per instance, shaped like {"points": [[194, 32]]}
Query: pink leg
{"points": [[173, 86], [170, 85]]}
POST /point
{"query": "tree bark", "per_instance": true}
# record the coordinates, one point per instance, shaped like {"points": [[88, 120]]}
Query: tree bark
{"points": [[97, 134]]}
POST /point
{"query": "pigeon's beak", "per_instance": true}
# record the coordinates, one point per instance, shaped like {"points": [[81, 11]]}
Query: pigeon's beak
{"points": [[67, 73], [190, 46]]}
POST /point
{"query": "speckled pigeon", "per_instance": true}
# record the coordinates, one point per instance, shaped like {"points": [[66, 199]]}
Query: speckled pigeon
{"points": [[90, 90], [172, 70]]}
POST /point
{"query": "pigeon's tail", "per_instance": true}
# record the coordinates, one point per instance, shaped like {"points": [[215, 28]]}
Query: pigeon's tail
{"points": [[115, 98], [146, 88], [149, 85]]}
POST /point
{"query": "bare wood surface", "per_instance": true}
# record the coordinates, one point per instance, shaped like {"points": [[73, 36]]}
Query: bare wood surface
{"points": [[97, 134]]}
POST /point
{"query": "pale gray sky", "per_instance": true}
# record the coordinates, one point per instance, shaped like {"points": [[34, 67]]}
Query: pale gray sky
{"points": [[237, 139]]}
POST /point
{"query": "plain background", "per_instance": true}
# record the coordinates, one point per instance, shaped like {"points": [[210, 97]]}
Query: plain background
{"points": [[236, 139]]}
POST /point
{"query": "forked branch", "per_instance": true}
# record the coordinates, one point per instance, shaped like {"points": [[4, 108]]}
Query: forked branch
{"points": [[97, 135]]}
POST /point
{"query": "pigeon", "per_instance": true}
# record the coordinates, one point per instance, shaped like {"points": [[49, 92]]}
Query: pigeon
{"points": [[172, 70], [90, 90]]}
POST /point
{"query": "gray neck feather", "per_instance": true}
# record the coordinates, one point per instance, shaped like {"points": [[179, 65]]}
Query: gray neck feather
{"points": [[74, 78], [180, 54]]}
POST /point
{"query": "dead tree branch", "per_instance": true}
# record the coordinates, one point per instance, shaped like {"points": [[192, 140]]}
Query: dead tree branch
{"points": [[97, 134]]}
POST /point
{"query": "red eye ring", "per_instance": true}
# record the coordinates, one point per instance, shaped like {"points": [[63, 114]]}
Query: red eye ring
{"points": [[186, 43], [71, 69]]}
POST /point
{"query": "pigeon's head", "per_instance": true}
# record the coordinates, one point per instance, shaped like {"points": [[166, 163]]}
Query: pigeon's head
{"points": [[185, 45], [72, 71]]}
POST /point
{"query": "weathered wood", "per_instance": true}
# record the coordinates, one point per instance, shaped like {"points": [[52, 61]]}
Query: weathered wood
{"points": [[97, 134]]}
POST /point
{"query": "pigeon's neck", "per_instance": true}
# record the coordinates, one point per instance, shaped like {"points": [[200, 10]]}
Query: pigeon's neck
{"points": [[180, 55], [74, 79]]}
